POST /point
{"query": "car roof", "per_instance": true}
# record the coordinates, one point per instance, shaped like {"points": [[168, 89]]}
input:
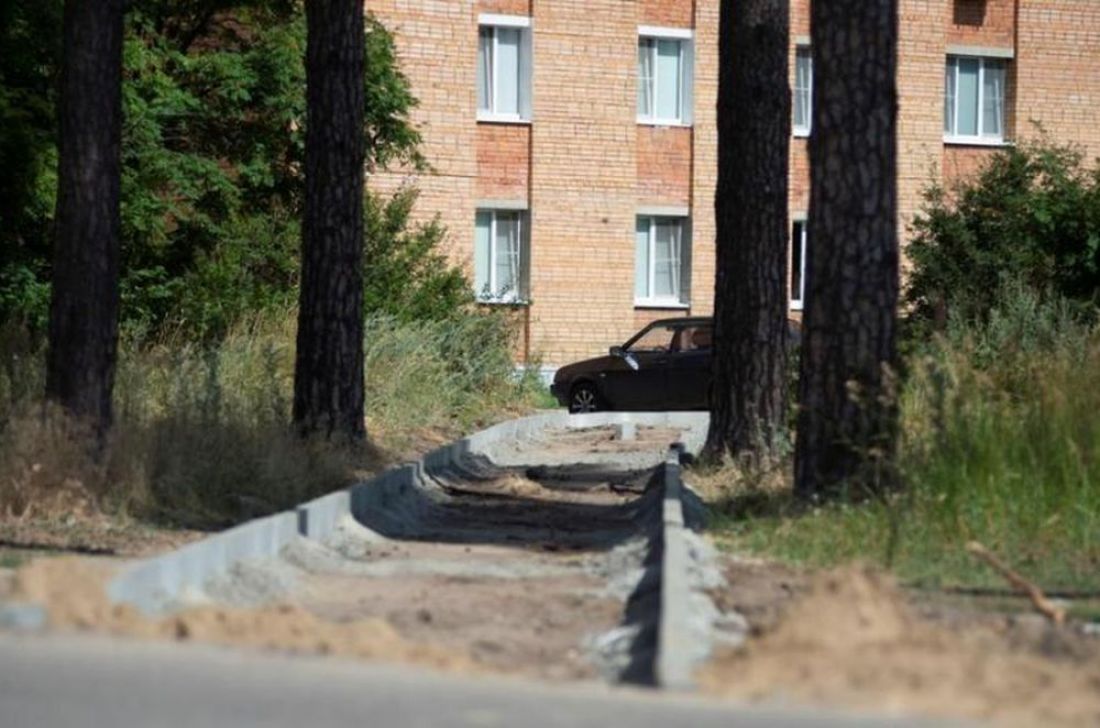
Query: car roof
{"points": [[685, 320]]}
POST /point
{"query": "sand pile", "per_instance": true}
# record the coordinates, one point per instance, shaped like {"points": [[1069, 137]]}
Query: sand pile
{"points": [[853, 642], [72, 590]]}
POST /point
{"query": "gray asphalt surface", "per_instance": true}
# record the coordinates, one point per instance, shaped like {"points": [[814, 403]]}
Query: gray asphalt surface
{"points": [[60, 681]]}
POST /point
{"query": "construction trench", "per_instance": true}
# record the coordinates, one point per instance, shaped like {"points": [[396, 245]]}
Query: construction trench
{"points": [[538, 558]]}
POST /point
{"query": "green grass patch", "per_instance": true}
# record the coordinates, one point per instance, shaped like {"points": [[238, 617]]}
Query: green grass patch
{"points": [[1001, 445]]}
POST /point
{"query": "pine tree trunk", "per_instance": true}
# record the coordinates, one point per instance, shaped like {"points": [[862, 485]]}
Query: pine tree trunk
{"points": [[328, 376], [749, 394], [83, 329], [848, 411]]}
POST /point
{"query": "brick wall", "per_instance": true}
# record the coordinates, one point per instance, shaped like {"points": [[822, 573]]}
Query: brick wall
{"points": [[664, 165], [704, 173], [1058, 70], [503, 161], [585, 166], [987, 23]]}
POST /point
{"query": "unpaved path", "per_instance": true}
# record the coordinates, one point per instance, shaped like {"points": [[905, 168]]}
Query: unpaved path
{"points": [[523, 570], [520, 570]]}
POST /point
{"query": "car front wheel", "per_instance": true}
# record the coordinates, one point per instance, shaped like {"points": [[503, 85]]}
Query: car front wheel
{"points": [[584, 398]]}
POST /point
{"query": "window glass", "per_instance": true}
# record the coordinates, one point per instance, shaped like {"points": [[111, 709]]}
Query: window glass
{"points": [[993, 82], [798, 263], [803, 90], [694, 338], [666, 263], [645, 76], [507, 254], [661, 257], [507, 71], [657, 339], [483, 255], [484, 68], [641, 258], [966, 94], [949, 98], [669, 77], [500, 252]]}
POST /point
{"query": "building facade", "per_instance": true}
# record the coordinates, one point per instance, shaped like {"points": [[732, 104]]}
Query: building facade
{"points": [[574, 142]]}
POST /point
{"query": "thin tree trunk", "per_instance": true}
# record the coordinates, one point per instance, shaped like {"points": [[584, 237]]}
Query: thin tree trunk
{"points": [[328, 376], [749, 395], [848, 410], [83, 330]]}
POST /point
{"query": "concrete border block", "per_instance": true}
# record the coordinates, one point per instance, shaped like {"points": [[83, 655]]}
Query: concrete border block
{"points": [[156, 584], [401, 495]]}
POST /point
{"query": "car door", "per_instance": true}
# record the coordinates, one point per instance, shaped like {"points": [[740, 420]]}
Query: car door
{"points": [[641, 388], [688, 370]]}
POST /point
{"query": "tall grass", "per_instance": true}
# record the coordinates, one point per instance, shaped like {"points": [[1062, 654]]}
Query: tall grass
{"points": [[201, 436], [1001, 444]]}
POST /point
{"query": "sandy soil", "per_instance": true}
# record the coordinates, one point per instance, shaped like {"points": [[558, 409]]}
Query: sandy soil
{"points": [[852, 638], [512, 576], [518, 612], [72, 589], [605, 440]]}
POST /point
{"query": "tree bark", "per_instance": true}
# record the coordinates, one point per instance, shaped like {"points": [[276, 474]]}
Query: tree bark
{"points": [[328, 376], [83, 329], [749, 391], [848, 406]]}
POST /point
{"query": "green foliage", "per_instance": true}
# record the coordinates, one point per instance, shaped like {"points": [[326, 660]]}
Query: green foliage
{"points": [[1032, 216], [1001, 444], [30, 39], [213, 143], [407, 276]]}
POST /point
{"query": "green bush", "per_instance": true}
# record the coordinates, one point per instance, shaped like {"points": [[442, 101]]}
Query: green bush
{"points": [[1031, 218], [1000, 444]]}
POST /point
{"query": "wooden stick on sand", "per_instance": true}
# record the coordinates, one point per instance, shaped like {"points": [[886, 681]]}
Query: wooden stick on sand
{"points": [[1051, 611]]}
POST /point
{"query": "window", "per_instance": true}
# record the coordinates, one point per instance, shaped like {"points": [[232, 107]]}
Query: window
{"points": [[974, 100], [803, 91], [501, 256], [665, 60], [504, 69], [662, 262], [798, 264]]}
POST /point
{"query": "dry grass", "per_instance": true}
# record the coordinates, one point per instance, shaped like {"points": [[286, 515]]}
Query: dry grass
{"points": [[201, 437]]}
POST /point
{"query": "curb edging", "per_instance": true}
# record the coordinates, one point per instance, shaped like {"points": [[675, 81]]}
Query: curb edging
{"points": [[158, 584]]}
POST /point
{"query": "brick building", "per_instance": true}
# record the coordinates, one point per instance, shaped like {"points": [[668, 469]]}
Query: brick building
{"points": [[574, 141]]}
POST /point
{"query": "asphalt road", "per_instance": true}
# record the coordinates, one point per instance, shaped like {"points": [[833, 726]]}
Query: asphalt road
{"points": [[59, 681]]}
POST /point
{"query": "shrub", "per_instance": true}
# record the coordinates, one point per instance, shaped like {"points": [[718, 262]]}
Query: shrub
{"points": [[1030, 217], [1000, 444]]}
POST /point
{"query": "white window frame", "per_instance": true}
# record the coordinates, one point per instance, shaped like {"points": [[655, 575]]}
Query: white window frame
{"points": [[686, 38], [519, 295], [683, 302], [980, 139], [522, 23], [799, 303], [803, 131]]}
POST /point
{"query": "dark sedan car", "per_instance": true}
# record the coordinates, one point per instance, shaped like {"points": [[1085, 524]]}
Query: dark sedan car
{"points": [[665, 366]]}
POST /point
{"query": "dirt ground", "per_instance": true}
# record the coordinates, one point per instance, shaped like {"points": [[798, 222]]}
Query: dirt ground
{"points": [[852, 638], [518, 572], [606, 440]]}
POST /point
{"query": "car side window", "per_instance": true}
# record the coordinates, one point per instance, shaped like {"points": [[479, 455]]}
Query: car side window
{"points": [[658, 340], [694, 338]]}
